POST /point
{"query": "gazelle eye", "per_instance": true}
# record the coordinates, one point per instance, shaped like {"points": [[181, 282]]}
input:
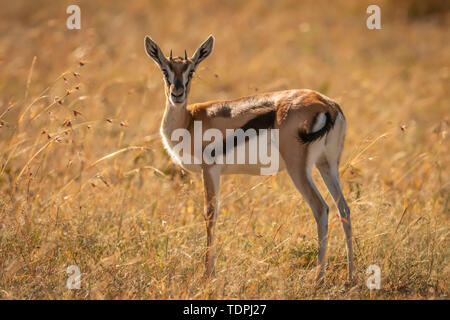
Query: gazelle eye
{"points": [[191, 73], [166, 76]]}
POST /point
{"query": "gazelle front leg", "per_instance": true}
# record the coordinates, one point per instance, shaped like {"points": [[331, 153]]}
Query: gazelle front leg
{"points": [[211, 185]]}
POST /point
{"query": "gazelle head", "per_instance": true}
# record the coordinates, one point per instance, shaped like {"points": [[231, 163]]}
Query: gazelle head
{"points": [[178, 71]]}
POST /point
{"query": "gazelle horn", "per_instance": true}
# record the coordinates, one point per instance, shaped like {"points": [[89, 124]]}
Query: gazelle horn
{"points": [[170, 54], [185, 54]]}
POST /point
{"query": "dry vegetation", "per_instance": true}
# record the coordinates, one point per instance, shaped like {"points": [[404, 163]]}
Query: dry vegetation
{"points": [[84, 179]]}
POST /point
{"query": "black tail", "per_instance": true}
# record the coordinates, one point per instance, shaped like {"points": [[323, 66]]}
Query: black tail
{"points": [[306, 137]]}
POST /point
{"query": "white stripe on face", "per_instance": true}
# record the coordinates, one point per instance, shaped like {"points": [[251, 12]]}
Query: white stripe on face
{"points": [[170, 75], [186, 74]]}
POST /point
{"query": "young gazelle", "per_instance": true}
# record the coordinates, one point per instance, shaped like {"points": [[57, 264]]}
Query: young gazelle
{"points": [[311, 130]]}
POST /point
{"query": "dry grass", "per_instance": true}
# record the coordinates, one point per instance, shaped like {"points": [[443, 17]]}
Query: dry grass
{"points": [[133, 221]]}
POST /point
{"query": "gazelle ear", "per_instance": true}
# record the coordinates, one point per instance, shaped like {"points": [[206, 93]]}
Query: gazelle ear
{"points": [[155, 52], [203, 51]]}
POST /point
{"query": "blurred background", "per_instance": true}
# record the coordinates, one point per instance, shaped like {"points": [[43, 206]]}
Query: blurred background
{"points": [[84, 179]]}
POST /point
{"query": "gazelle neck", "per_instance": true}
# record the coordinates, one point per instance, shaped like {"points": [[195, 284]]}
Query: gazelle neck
{"points": [[175, 117]]}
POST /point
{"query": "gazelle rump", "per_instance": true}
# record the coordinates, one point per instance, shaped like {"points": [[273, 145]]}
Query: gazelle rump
{"points": [[311, 130]]}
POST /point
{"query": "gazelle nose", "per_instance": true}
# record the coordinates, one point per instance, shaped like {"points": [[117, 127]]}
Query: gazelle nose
{"points": [[179, 85]]}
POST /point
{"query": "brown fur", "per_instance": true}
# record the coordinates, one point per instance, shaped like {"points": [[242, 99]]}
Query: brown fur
{"points": [[179, 66], [311, 103], [282, 111]]}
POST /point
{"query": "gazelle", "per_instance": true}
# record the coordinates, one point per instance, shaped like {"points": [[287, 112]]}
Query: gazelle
{"points": [[311, 131]]}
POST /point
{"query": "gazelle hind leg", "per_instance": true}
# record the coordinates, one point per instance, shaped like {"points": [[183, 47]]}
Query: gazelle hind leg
{"points": [[330, 174], [300, 173]]}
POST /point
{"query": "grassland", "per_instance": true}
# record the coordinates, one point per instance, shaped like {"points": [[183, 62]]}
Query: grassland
{"points": [[84, 179]]}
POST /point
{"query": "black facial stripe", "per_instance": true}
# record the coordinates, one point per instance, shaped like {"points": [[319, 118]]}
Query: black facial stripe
{"points": [[166, 76]]}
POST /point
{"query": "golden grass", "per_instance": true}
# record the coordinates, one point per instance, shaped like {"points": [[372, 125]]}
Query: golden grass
{"points": [[84, 179]]}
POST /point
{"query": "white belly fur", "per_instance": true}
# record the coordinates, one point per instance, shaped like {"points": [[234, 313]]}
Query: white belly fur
{"points": [[251, 169]]}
